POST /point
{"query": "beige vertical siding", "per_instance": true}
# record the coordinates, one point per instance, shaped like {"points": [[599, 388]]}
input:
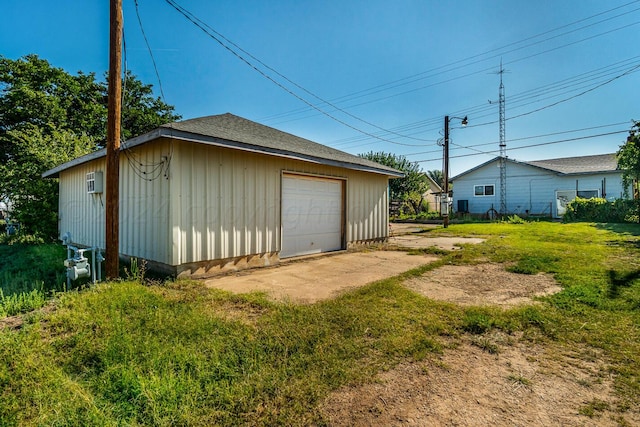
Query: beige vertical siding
{"points": [[226, 203], [144, 203], [198, 202], [81, 213]]}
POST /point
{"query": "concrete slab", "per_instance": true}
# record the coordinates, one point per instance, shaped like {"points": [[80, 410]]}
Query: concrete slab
{"points": [[315, 279]]}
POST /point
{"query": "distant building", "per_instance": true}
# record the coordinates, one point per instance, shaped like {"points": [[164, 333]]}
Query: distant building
{"points": [[542, 187], [433, 195]]}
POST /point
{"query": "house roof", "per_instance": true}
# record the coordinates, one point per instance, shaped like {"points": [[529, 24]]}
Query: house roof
{"points": [[230, 131], [578, 165], [582, 165]]}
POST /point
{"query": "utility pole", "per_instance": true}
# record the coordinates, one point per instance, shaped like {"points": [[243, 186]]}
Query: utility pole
{"points": [[445, 204], [114, 111], [444, 200]]}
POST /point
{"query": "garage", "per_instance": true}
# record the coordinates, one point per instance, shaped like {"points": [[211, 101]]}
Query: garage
{"points": [[228, 194], [312, 215]]}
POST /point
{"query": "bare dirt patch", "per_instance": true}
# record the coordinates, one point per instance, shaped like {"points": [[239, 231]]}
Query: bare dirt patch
{"points": [[482, 284], [522, 385], [518, 384]]}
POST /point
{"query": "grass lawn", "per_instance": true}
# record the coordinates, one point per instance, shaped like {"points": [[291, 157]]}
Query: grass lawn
{"points": [[128, 353], [29, 274]]}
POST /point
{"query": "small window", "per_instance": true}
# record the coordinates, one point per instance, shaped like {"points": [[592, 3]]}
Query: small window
{"points": [[483, 190]]}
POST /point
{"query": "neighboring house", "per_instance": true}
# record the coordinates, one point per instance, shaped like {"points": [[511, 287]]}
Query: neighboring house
{"points": [[542, 187], [433, 195], [223, 193]]}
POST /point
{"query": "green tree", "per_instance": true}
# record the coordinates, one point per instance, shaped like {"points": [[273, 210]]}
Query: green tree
{"points": [[35, 200], [629, 162], [409, 189], [437, 176], [629, 159], [48, 116]]}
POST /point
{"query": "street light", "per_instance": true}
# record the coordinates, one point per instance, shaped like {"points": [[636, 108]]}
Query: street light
{"points": [[445, 172]]}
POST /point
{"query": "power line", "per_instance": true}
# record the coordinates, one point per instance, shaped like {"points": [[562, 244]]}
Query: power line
{"points": [[465, 62], [149, 171], [492, 153], [220, 39], [146, 41], [523, 98], [217, 36], [524, 138]]}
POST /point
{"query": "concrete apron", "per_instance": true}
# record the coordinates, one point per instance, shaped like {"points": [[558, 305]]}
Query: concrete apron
{"points": [[315, 279], [311, 279]]}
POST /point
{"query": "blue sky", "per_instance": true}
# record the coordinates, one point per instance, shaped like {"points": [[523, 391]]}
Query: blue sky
{"points": [[390, 69]]}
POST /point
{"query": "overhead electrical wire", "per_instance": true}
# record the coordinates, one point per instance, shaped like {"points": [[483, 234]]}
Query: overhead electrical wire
{"points": [[524, 138], [530, 96], [226, 43], [145, 171], [229, 45], [449, 67], [471, 57], [525, 146], [146, 41]]}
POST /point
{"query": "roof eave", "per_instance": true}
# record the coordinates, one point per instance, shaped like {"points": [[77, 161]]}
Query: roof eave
{"points": [[243, 146], [210, 140]]}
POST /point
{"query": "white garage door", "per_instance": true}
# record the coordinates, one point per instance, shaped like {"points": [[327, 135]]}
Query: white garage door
{"points": [[311, 215]]}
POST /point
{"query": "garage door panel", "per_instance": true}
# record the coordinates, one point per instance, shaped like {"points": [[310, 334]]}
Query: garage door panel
{"points": [[311, 215]]}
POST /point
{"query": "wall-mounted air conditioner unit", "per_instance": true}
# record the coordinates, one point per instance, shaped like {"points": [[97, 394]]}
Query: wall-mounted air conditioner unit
{"points": [[94, 182]]}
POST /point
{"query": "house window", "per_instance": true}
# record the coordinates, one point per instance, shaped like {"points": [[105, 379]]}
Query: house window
{"points": [[483, 190]]}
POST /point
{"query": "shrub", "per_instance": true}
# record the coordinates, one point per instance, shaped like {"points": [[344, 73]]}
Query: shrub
{"points": [[515, 219], [601, 210]]}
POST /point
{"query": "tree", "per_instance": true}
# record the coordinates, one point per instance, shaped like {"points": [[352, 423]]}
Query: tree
{"points": [[409, 189], [629, 159], [47, 117], [629, 163], [437, 176], [34, 199]]}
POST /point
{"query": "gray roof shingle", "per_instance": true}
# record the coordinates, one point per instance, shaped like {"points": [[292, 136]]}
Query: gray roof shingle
{"points": [[228, 130], [233, 128], [583, 164], [564, 166]]}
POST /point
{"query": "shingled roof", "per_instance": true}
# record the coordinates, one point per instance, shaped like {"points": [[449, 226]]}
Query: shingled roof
{"points": [[583, 164], [563, 166], [230, 131]]}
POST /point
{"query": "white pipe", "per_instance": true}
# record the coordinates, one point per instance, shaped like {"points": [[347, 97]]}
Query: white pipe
{"points": [[93, 264], [100, 259]]}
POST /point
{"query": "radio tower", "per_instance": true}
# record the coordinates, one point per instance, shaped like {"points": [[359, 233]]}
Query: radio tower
{"points": [[503, 148]]}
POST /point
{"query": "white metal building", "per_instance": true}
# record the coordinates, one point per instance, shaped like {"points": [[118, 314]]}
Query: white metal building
{"points": [[542, 187], [222, 193]]}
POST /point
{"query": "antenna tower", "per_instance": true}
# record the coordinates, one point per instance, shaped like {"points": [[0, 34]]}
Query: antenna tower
{"points": [[503, 148]]}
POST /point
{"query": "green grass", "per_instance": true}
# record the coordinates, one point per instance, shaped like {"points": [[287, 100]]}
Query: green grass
{"points": [[29, 275], [177, 354]]}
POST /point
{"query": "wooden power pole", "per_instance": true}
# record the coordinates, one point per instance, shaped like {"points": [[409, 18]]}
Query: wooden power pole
{"points": [[114, 111], [444, 208]]}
